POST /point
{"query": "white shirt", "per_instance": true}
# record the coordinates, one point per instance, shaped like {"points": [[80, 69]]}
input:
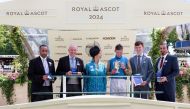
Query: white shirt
{"points": [[141, 55], [160, 62], [46, 69], [72, 62], [45, 64]]}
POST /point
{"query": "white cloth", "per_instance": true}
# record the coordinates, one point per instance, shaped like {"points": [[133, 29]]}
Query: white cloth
{"points": [[46, 69], [158, 66], [118, 85]]}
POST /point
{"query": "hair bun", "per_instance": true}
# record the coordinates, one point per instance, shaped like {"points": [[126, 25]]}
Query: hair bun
{"points": [[94, 51]]}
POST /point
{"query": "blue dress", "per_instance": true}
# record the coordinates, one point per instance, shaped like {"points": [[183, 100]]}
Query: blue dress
{"points": [[95, 84]]}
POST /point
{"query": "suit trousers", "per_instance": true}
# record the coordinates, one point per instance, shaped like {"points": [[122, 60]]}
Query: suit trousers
{"points": [[73, 88], [138, 90], [40, 97]]}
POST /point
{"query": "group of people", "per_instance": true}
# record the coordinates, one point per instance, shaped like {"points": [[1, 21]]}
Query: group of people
{"points": [[95, 72]]}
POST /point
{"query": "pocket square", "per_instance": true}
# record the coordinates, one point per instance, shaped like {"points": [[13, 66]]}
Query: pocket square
{"points": [[50, 63]]}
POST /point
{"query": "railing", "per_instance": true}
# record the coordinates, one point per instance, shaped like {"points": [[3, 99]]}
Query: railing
{"points": [[129, 86]]}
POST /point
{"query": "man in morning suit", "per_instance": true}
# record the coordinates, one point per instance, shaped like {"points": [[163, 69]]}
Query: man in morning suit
{"points": [[39, 72], [71, 65], [141, 64], [166, 70]]}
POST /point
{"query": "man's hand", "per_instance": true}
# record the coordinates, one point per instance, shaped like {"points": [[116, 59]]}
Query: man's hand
{"points": [[163, 79], [123, 66], [79, 73], [143, 83], [113, 71], [45, 77], [69, 73]]}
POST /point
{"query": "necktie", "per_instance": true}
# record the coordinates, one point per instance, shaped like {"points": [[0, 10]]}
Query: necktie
{"points": [[161, 62], [138, 64], [72, 62]]}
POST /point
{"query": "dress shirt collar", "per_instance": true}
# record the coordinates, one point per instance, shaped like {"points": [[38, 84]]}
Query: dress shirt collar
{"points": [[43, 58], [140, 55], [71, 57], [164, 56]]}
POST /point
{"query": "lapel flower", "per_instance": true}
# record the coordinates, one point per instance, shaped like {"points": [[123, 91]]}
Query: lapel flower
{"points": [[144, 60], [50, 63], [91, 66], [165, 62]]}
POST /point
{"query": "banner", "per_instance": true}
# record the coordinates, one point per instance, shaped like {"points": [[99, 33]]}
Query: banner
{"points": [[59, 42], [96, 14]]}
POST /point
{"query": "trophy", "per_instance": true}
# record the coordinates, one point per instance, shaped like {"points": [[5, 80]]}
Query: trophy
{"points": [[74, 70], [50, 77], [158, 76], [137, 79], [116, 66]]}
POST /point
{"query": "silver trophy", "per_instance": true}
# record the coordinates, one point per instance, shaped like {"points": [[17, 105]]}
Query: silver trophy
{"points": [[117, 66]]}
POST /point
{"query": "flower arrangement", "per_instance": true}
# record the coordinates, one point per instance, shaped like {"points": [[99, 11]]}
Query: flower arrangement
{"points": [[18, 75], [10, 76], [7, 89], [182, 80]]}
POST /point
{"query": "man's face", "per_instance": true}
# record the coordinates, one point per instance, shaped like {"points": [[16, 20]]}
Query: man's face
{"points": [[119, 53], [163, 49], [139, 49], [72, 51], [44, 51]]}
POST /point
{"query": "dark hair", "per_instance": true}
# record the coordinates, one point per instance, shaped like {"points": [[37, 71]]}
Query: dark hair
{"points": [[137, 43], [164, 43], [118, 47], [43, 45], [94, 51]]}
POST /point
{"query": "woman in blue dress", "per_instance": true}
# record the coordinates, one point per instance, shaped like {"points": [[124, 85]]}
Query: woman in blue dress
{"points": [[96, 84]]}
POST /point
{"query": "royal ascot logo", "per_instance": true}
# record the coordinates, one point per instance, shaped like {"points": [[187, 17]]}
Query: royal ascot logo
{"points": [[78, 53], [104, 61], [126, 46], [59, 38], [95, 9], [109, 54], [108, 47], [61, 46], [77, 39], [58, 53], [92, 38], [28, 13], [108, 38], [163, 13], [124, 38], [79, 46], [125, 53]]}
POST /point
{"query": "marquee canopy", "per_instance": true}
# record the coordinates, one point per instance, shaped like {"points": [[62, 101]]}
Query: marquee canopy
{"points": [[94, 14]]}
